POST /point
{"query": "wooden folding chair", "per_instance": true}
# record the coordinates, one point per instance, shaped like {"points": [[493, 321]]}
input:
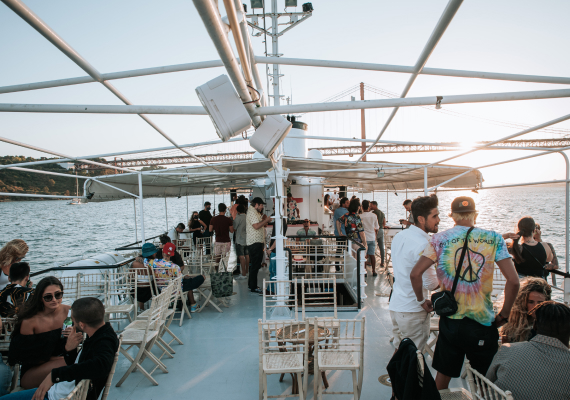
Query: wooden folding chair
{"points": [[480, 388], [283, 305], [80, 391], [145, 339], [433, 328], [121, 294], [110, 377], [284, 349], [346, 353], [5, 337]]}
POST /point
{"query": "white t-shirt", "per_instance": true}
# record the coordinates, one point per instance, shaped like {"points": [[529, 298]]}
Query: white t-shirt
{"points": [[407, 246], [369, 223], [60, 390]]}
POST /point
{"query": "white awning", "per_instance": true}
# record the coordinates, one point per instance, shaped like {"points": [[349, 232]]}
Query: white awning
{"points": [[196, 180]]}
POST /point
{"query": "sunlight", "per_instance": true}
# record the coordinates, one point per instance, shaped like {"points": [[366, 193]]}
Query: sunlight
{"points": [[468, 145]]}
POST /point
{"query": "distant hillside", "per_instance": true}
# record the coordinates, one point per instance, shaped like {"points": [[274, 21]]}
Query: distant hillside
{"points": [[28, 182]]}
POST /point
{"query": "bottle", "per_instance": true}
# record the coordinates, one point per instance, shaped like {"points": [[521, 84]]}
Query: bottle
{"points": [[68, 322]]}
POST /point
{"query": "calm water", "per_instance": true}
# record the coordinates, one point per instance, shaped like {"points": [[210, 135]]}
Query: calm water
{"points": [[56, 231]]}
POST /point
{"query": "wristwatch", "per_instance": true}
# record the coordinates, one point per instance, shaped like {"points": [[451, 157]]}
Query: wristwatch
{"points": [[420, 302]]}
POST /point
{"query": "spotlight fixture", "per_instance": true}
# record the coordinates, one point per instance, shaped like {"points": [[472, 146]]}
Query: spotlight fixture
{"points": [[225, 108]]}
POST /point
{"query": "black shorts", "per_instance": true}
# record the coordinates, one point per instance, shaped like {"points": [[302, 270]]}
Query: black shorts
{"points": [[241, 250], [460, 338], [144, 294], [192, 283]]}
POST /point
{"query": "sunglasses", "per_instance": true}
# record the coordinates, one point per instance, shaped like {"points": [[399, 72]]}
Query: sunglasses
{"points": [[49, 297]]}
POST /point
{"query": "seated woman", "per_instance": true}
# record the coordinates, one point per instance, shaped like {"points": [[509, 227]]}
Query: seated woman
{"points": [[532, 291], [531, 257], [38, 340], [11, 253]]}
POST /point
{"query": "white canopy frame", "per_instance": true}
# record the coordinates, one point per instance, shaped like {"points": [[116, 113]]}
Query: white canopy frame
{"points": [[211, 19]]}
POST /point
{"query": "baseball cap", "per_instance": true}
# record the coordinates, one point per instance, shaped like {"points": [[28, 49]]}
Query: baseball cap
{"points": [[148, 249], [257, 200], [463, 204], [168, 249]]}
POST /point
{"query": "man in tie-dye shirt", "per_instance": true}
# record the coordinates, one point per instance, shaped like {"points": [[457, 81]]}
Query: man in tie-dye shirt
{"points": [[472, 330]]}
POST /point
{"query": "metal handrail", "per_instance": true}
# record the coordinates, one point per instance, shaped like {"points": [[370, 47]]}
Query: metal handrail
{"points": [[79, 268], [557, 272], [128, 246]]}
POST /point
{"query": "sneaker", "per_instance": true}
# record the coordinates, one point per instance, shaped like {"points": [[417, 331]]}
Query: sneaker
{"points": [[374, 274], [257, 290], [194, 308]]}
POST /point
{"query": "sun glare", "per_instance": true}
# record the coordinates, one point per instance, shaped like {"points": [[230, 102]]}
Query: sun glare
{"points": [[468, 145]]}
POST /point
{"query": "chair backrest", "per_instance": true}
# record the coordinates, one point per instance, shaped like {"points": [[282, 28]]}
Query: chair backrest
{"points": [[345, 335], [163, 276], [482, 388], [120, 286], [318, 293], [80, 391], [281, 306], [156, 311], [176, 291], [283, 337], [71, 288], [91, 285], [6, 333], [110, 377]]}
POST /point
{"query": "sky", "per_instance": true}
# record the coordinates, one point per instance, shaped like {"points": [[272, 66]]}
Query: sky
{"points": [[525, 37]]}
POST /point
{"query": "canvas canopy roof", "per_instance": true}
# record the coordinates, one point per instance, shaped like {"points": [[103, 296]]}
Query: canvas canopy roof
{"points": [[196, 180]]}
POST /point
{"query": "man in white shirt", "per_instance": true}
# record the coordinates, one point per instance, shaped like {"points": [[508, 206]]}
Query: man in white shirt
{"points": [[409, 319], [174, 233], [371, 226]]}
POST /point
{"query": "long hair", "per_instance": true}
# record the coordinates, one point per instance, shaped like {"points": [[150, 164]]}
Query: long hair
{"points": [[326, 200], [525, 228], [11, 251], [520, 322], [35, 303]]}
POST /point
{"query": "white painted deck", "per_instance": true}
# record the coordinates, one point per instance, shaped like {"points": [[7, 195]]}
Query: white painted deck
{"points": [[220, 355]]}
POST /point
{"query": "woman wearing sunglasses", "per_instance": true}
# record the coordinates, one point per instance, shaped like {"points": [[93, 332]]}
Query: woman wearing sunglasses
{"points": [[38, 341]]}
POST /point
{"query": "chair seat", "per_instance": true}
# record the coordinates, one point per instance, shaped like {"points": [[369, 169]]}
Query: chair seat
{"points": [[135, 336], [338, 360], [282, 362], [455, 394], [121, 308], [139, 325]]}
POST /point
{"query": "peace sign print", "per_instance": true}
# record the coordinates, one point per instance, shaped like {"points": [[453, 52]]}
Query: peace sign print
{"points": [[472, 264]]}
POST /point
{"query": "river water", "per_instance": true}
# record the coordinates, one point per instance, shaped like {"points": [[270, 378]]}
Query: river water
{"points": [[56, 231]]}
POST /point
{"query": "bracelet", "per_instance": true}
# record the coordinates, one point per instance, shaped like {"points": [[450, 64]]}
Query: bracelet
{"points": [[503, 318], [420, 302]]}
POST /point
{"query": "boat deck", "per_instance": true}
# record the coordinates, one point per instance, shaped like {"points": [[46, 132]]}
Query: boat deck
{"points": [[220, 355]]}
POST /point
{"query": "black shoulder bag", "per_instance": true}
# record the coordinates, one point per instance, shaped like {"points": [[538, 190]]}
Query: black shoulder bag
{"points": [[444, 303]]}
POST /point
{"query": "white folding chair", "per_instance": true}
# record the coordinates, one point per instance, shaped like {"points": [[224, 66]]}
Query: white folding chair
{"points": [[145, 339], [80, 391], [121, 294], [71, 288], [110, 377], [346, 352], [5, 337], [284, 349], [91, 285], [285, 305]]}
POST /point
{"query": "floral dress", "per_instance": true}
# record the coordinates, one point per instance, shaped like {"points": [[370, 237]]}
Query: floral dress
{"points": [[353, 226]]}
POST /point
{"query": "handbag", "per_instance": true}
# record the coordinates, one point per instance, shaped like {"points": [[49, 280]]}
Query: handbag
{"points": [[222, 283], [444, 303]]}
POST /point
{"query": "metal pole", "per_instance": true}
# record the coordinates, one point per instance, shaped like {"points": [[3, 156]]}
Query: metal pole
{"points": [[166, 214], [143, 240], [425, 182], [436, 35], [386, 204], [166, 69], [291, 109], [567, 219], [275, 50], [362, 122], [36, 22], [136, 229], [187, 215], [214, 25], [239, 41]]}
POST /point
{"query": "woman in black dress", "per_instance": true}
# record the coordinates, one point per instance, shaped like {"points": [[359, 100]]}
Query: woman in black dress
{"points": [[196, 226]]}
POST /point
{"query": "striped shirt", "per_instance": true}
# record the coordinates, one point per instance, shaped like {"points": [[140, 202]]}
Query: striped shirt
{"points": [[537, 369]]}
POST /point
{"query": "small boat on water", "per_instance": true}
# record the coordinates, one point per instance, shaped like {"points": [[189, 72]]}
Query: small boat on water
{"points": [[77, 201]]}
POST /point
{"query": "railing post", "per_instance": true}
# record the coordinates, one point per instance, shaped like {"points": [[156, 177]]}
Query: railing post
{"points": [[567, 230], [143, 240]]}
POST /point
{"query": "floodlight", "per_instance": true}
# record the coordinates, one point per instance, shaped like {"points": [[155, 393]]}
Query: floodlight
{"points": [[270, 134], [256, 4], [290, 3], [225, 108]]}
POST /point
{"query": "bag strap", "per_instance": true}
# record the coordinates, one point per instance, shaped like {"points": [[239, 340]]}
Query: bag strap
{"points": [[458, 270], [532, 255]]}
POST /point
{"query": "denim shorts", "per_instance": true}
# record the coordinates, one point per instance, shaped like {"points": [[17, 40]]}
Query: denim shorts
{"points": [[241, 250], [371, 248]]}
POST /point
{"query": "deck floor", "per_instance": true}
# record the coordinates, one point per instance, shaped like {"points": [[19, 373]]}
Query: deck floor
{"points": [[220, 355]]}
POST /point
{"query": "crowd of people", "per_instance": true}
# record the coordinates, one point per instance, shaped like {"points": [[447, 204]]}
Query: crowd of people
{"points": [[460, 262]]}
